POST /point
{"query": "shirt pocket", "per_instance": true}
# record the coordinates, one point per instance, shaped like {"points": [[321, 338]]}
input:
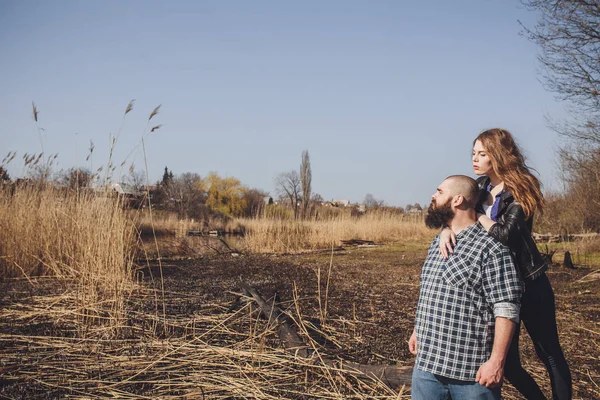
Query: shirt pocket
{"points": [[460, 271]]}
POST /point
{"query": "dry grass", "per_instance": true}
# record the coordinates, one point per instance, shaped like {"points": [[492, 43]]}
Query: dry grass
{"points": [[583, 251], [215, 354], [172, 236], [169, 223], [274, 233], [265, 235], [83, 239], [163, 223]]}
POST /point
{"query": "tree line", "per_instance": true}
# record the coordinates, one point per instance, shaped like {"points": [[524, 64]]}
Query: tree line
{"points": [[568, 37], [191, 195]]}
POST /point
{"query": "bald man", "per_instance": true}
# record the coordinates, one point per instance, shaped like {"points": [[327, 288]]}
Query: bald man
{"points": [[468, 304]]}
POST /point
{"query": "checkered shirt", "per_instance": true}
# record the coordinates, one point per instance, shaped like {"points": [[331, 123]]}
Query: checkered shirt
{"points": [[455, 314]]}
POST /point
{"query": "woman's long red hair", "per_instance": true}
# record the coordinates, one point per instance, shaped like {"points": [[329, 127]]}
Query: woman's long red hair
{"points": [[509, 165]]}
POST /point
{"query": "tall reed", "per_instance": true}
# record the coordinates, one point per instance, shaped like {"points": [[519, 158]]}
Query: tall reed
{"points": [[84, 238]]}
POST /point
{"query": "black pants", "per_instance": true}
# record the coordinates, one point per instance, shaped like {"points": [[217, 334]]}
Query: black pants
{"points": [[539, 316]]}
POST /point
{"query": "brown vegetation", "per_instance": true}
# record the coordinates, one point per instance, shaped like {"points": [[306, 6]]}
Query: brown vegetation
{"points": [[354, 306], [265, 235], [83, 239]]}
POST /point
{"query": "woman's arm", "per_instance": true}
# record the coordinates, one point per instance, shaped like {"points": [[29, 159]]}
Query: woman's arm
{"points": [[485, 221], [505, 231], [447, 241]]}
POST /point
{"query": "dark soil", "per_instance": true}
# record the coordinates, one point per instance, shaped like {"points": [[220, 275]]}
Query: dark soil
{"points": [[370, 304]]}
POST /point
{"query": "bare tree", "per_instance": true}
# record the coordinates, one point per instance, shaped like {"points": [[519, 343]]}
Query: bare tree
{"points": [[306, 180], [317, 198], [74, 178], [137, 180], [371, 202], [568, 35], [289, 186], [188, 194], [255, 202]]}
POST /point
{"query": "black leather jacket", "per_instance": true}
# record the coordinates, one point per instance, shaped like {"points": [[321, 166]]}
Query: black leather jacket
{"points": [[513, 230]]}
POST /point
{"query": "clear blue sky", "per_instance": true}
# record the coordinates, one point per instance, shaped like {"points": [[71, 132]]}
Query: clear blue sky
{"points": [[387, 96]]}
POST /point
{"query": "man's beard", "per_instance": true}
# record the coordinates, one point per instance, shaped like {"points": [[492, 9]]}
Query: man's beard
{"points": [[437, 216]]}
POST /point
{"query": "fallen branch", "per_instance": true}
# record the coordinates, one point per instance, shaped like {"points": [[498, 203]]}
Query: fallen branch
{"points": [[392, 375], [359, 243]]}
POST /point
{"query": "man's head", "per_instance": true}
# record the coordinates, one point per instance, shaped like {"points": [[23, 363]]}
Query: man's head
{"points": [[457, 193]]}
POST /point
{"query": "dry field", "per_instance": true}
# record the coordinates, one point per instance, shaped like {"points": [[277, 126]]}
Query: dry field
{"points": [[80, 318], [265, 235], [207, 348]]}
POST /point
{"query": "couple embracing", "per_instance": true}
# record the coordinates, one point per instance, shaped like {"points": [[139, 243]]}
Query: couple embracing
{"points": [[483, 275]]}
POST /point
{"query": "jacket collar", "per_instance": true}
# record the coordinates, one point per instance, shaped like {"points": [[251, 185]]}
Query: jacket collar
{"points": [[506, 196]]}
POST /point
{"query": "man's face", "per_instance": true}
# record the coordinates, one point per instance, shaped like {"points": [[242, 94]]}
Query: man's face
{"points": [[442, 194], [440, 210]]}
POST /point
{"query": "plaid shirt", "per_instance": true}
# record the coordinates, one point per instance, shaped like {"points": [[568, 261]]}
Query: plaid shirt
{"points": [[455, 314]]}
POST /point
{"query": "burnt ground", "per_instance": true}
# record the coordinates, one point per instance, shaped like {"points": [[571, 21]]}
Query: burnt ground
{"points": [[371, 297], [369, 304]]}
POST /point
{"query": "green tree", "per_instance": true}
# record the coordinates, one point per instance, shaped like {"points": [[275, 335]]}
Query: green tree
{"points": [[167, 177], [226, 195]]}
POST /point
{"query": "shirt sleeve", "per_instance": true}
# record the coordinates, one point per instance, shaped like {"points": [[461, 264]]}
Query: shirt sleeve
{"points": [[500, 281], [507, 310]]}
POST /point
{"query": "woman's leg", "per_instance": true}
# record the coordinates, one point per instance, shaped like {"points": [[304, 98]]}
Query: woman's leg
{"points": [[516, 374], [540, 320]]}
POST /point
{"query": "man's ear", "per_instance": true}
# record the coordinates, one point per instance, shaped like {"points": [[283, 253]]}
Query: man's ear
{"points": [[458, 200]]}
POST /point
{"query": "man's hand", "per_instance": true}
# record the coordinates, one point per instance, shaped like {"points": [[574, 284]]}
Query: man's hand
{"points": [[490, 374], [412, 343], [447, 242]]}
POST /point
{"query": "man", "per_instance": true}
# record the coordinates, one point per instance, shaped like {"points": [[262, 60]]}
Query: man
{"points": [[468, 305]]}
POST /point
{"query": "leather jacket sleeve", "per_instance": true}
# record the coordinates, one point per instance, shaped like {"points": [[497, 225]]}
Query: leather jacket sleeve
{"points": [[507, 231], [514, 230]]}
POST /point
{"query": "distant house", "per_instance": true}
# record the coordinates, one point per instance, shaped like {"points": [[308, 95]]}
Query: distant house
{"points": [[133, 198], [340, 203], [125, 189], [268, 200]]}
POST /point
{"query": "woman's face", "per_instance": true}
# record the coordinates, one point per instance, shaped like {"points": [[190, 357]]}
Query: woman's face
{"points": [[482, 165]]}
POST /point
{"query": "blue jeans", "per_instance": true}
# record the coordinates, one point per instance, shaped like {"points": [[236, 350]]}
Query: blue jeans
{"points": [[427, 386]]}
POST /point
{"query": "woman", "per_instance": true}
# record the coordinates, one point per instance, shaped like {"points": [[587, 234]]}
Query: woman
{"points": [[509, 195]]}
